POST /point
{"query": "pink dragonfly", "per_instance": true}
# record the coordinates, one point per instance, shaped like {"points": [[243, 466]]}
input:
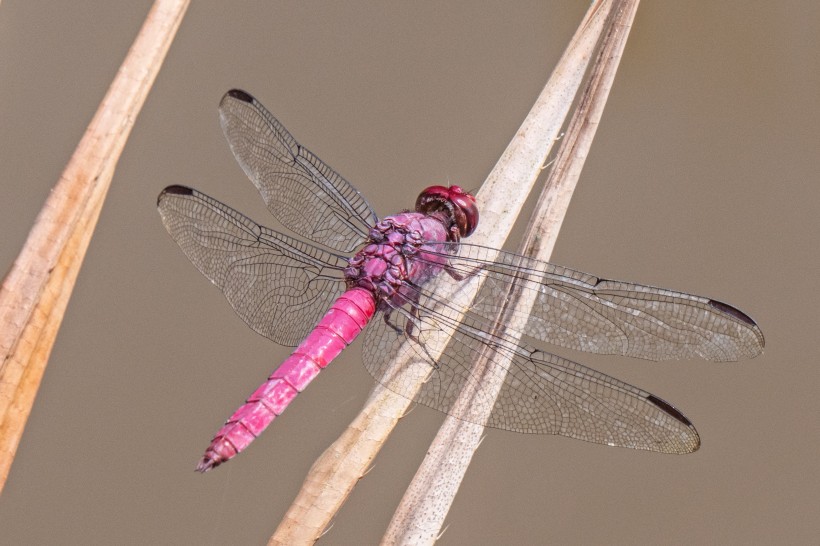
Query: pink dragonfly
{"points": [[295, 292]]}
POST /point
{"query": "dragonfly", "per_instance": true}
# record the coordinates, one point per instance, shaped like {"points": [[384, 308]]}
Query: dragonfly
{"points": [[320, 290]]}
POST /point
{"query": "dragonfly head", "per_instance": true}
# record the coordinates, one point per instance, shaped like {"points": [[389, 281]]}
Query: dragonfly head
{"points": [[459, 205]]}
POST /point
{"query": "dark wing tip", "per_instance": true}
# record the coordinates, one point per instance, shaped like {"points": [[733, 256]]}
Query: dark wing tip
{"points": [[669, 409], [733, 311], [238, 94], [174, 190], [692, 443]]}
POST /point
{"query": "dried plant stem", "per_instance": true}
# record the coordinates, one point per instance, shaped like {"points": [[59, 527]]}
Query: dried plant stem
{"points": [[36, 290], [335, 473], [420, 516]]}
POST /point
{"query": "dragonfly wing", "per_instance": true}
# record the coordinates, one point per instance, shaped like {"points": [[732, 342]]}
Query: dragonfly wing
{"points": [[278, 285], [583, 312], [542, 393], [302, 192]]}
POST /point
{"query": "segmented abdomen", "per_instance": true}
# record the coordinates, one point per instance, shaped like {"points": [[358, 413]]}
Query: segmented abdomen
{"points": [[345, 319]]}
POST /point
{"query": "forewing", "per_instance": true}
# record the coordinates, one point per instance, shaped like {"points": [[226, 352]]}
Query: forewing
{"points": [[583, 312], [542, 393], [301, 191], [278, 285]]}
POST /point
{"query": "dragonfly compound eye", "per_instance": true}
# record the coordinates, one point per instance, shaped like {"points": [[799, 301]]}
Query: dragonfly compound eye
{"points": [[460, 204]]}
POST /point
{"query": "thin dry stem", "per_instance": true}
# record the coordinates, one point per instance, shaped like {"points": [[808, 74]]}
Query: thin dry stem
{"points": [[421, 513], [334, 474], [35, 292]]}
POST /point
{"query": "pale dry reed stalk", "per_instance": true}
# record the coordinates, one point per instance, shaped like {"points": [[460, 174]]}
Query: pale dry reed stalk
{"points": [[36, 290]]}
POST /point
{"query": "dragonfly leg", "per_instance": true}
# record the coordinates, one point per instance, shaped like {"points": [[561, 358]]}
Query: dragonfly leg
{"points": [[413, 323], [413, 316], [390, 323], [456, 275]]}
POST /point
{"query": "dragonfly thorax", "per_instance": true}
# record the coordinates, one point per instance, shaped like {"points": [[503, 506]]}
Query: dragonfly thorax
{"points": [[395, 255]]}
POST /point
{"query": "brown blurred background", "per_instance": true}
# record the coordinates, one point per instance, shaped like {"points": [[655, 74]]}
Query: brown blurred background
{"points": [[703, 178]]}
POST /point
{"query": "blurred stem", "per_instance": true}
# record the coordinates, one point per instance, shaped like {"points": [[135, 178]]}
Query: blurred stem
{"points": [[420, 515], [335, 473], [36, 290]]}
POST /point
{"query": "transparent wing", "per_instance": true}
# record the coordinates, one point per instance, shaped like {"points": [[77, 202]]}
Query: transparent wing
{"points": [[586, 313], [542, 393], [278, 285], [302, 192]]}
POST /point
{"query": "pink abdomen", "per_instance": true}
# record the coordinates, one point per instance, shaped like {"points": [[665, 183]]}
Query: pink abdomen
{"points": [[346, 318]]}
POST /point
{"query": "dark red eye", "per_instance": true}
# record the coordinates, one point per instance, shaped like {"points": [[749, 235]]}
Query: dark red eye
{"points": [[460, 203]]}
